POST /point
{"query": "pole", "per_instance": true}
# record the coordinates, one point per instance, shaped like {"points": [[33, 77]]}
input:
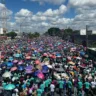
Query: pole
{"points": [[87, 36]]}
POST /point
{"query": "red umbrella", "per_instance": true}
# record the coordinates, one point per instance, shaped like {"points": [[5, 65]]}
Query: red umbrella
{"points": [[13, 68], [37, 62]]}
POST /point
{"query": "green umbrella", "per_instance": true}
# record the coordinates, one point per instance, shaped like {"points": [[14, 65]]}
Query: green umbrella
{"points": [[9, 87]]}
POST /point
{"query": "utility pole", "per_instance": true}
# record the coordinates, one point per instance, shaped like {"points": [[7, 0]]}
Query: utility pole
{"points": [[87, 36]]}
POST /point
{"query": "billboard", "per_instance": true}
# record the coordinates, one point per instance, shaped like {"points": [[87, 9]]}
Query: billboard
{"points": [[83, 32], [1, 30]]}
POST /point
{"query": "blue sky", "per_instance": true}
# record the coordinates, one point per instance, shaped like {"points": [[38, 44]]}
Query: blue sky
{"points": [[50, 13], [16, 5]]}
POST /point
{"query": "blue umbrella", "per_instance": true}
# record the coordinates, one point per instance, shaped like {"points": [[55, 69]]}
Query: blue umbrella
{"points": [[45, 69], [9, 64], [20, 68], [9, 87], [17, 55], [36, 73], [11, 59], [82, 53]]}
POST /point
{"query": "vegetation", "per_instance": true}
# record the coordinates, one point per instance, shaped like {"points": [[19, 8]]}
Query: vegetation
{"points": [[12, 35]]}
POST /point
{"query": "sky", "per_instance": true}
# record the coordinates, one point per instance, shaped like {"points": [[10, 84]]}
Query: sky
{"points": [[40, 15]]}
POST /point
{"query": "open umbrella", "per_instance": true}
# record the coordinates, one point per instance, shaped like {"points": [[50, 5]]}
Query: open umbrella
{"points": [[40, 75], [15, 61], [9, 64], [7, 74], [45, 68], [28, 57], [20, 63], [9, 87], [20, 68], [71, 63], [37, 62], [13, 68]]}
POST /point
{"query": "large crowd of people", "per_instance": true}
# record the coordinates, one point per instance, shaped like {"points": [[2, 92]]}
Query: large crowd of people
{"points": [[46, 66]]}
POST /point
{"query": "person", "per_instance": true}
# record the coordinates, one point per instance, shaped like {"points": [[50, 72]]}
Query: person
{"points": [[87, 86], [80, 86], [69, 87], [93, 86], [61, 83], [52, 89], [64, 86], [39, 92]]}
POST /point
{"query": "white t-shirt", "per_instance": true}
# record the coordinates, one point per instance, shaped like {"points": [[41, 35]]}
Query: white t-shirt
{"points": [[93, 84], [52, 87]]}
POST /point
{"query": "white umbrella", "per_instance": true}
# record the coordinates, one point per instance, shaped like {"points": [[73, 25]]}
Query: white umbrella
{"points": [[7, 74]]}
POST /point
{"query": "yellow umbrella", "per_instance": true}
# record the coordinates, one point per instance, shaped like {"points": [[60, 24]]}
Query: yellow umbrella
{"points": [[71, 63]]}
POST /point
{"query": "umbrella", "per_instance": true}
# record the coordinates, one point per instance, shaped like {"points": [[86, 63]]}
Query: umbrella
{"points": [[28, 71], [9, 64], [13, 68], [15, 61], [11, 59], [40, 75], [45, 68], [71, 63], [17, 55], [20, 68], [29, 67], [9, 87], [20, 63], [83, 66], [37, 62], [6, 74], [28, 57]]}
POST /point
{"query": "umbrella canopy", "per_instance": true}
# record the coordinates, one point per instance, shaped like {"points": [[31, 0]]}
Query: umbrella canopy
{"points": [[20, 68], [37, 62], [28, 57], [29, 67], [71, 63], [11, 59], [15, 61], [45, 68], [9, 64], [9, 87], [7, 74], [17, 55], [40, 75], [20, 63], [13, 68]]}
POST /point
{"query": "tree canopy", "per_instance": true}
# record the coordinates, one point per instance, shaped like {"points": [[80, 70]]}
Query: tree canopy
{"points": [[12, 34]]}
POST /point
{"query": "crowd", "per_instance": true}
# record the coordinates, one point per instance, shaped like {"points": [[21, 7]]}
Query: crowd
{"points": [[46, 66]]}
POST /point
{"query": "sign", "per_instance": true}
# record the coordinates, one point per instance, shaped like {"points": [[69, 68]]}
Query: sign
{"points": [[83, 32]]}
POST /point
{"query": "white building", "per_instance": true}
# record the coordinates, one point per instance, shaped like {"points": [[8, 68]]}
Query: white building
{"points": [[1, 31]]}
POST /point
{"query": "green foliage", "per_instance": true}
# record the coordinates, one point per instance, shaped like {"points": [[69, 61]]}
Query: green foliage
{"points": [[12, 34], [33, 35], [53, 31]]}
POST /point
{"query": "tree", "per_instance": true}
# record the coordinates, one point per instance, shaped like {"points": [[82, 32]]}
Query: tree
{"points": [[12, 34], [54, 31]]}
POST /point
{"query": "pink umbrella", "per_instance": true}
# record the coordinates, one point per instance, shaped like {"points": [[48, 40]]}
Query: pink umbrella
{"points": [[40, 75], [13, 68], [15, 61], [37, 62], [20, 63]]}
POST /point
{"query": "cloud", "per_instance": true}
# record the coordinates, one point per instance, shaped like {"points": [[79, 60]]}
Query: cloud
{"points": [[56, 2], [79, 3]]}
